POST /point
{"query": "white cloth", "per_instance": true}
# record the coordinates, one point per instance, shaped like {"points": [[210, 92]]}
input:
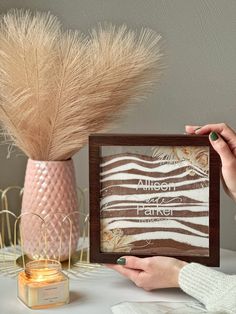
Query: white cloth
{"points": [[158, 308], [217, 291]]}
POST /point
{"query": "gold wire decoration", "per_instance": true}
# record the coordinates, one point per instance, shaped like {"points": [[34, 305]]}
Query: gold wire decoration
{"points": [[12, 256]]}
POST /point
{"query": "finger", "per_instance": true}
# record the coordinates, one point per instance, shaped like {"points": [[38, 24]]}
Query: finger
{"points": [[132, 274], [191, 129], [221, 128], [222, 148], [135, 262]]}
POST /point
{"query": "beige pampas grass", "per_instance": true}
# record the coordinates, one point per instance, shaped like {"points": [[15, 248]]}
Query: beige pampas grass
{"points": [[57, 87]]}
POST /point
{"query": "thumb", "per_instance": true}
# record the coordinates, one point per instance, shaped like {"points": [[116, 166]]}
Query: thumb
{"points": [[222, 148], [132, 262]]}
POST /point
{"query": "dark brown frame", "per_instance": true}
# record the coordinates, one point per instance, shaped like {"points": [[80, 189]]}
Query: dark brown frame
{"points": [[96, 141]]}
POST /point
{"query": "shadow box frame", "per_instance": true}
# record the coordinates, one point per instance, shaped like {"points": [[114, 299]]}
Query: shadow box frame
{"points": [[98, 140]]}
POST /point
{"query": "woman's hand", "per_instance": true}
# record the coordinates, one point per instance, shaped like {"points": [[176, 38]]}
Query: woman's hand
{"points": [[223, 140], [151, 272]]}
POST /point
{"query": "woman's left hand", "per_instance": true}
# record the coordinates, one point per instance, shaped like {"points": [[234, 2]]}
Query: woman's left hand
{"points": [[223, 140], [151, 272]]}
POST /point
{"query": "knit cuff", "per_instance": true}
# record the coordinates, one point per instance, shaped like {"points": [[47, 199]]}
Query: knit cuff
{"points": [[200, 281]]}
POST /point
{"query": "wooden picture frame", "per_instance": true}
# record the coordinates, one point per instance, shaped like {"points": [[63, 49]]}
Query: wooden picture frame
{"points": [[132, 217]]}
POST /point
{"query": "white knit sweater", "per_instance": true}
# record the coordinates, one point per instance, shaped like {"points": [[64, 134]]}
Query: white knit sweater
{"points": [[217, 291]]}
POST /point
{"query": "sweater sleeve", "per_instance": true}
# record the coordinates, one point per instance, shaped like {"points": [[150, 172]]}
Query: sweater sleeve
{"points": [[217, 291]]}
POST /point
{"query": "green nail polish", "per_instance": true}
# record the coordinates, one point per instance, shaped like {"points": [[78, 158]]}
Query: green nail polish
{"points": [[214, 136], [198, 128], [121, 261]]}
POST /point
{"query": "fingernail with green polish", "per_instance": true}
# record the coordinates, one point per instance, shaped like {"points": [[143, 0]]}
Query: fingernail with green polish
{"points": [[214, 136], [121, 261]]}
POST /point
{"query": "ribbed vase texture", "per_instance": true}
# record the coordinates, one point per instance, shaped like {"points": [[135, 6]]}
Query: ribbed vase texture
{"points": [[50, 216]]}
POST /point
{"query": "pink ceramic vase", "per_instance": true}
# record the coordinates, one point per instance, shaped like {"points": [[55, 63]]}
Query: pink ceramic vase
{"points": [[50, 221]]}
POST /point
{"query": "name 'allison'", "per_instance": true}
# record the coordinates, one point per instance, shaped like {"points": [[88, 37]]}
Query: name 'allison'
{"points": [[153, 185]]}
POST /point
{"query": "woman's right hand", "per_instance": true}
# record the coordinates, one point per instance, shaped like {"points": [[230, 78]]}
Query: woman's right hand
{"points": [[223, 140]]}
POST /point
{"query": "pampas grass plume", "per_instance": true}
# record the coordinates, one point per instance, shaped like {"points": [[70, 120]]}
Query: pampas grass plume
{"points": [[57, 87]]}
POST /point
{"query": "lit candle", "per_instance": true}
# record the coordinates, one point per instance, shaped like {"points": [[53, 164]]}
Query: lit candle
{"points": [[42, 285]]}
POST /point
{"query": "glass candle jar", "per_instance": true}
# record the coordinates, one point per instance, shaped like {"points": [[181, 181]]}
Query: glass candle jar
{"points": [[42, 285]]}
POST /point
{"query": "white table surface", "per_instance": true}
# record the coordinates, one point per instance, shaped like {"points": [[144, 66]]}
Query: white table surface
{"points": [[97, 293]]}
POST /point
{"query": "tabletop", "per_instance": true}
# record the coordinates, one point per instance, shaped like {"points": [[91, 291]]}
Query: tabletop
{"points": [[101, 289]]}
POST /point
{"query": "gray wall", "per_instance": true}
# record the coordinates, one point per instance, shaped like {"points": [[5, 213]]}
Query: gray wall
{"points": [[199, 83]]}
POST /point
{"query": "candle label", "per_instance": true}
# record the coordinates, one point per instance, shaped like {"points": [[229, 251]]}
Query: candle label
{"points": [[52, 293]]}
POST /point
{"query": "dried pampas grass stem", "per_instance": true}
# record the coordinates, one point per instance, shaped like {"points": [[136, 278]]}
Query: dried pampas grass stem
{"points": [[57, 87]]}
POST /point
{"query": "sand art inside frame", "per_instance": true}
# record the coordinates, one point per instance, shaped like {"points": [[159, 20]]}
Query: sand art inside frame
{"points": [[155, 200]]}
